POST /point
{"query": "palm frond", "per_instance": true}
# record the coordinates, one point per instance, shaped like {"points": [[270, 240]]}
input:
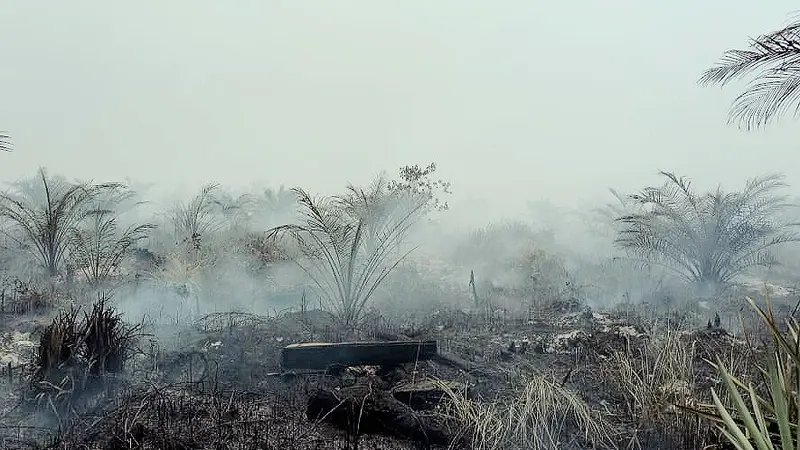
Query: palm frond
{"points": [[770, 96], [193, 220], [99, 248], [5, 143], [44, 222], [778, 47], [774, 58]]}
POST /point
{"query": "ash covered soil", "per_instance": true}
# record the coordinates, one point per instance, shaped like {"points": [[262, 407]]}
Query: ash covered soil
{"points": [[587, 379]]}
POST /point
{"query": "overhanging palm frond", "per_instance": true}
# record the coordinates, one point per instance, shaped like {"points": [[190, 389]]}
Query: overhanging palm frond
{"points": [[5, 143], [769, 96], [774, 58]]}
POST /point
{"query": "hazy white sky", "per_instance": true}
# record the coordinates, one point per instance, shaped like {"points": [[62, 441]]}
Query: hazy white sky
{"points": [[550, 99]]}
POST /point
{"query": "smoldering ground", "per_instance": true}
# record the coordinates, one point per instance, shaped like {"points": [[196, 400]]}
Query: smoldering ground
{"points": [[177, 342]]}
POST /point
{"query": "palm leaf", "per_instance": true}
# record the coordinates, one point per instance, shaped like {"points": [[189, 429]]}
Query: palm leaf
{"points": [[774, 58], [5, 144], [45, 222], [347, 243]]}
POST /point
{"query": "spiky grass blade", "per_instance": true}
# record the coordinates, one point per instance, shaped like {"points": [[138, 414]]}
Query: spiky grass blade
{"points": [[780, 403]]}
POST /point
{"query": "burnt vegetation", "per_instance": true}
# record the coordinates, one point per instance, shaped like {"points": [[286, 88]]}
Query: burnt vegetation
{"points": [[174, 332], [281, 319]]}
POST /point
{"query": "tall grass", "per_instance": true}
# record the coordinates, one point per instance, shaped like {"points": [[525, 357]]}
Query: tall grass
{"points": [[538, 413], [661, 383], [763, 419]]}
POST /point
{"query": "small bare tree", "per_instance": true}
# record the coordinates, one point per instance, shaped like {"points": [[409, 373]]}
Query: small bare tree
{"points": [[44, 215], [775, 89], [419, 182], [337, 254], [385, 201], [707, 239]]}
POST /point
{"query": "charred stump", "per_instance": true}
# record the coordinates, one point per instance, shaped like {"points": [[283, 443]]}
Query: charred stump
{"points": [[426, 395], [364, 410]]}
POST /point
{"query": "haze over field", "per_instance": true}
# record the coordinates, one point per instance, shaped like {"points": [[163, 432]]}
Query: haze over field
{"points": [[396, 225], [553, 100]]}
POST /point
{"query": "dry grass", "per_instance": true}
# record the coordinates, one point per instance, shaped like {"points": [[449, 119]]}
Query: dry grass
{"points": [[538, 413], [106, 338], [664, 381], [57, 345], [645, 386], [178, 416], [74, 357], [651, 385]]}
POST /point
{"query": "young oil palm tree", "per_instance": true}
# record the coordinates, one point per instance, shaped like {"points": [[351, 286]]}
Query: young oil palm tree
{"points": [[343, 259], [44, 212], [707, 239], [99, 246], [375, 205], [194, 220], [774, 58]]}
